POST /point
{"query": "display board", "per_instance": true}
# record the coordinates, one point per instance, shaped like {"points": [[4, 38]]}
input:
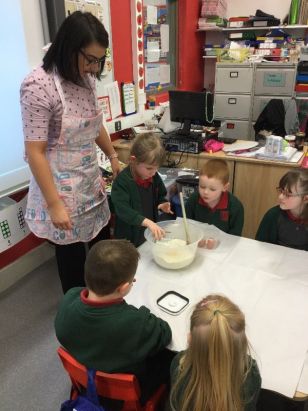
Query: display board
{"points": [[158, 44]]}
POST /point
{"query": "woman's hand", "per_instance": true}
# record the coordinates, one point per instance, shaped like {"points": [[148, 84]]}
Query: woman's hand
{"points": [[104, 143], [158, 232], [165, 207], [115, 165], [59, 216]]}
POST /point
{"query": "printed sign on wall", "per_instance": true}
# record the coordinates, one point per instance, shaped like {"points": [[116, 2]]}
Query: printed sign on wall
{"points": [[13, 227]]}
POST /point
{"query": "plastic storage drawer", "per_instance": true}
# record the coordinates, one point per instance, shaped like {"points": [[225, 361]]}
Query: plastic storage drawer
{"points": [[275, 81], [232, 106], [260, 102], [237, 129], [233, 79]]}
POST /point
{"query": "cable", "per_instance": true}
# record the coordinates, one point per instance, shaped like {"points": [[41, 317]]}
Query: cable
{"points": [[207, 107]]}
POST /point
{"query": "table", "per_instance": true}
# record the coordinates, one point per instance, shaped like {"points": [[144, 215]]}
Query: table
{"points": [[252, 180], [268, 282]]}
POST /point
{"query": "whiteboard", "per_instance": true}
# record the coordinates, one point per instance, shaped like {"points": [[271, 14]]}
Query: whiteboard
{"points": [[17, 45]]}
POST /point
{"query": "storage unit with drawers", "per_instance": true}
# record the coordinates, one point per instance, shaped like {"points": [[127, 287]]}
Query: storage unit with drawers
{"points": [[233, 89], [243, 90]]}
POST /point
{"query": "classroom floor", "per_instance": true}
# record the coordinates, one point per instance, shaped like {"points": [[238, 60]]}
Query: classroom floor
{"points": [[31, 376]]}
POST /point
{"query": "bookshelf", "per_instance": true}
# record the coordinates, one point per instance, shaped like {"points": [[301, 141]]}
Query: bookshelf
{"points": [[258, 28]]}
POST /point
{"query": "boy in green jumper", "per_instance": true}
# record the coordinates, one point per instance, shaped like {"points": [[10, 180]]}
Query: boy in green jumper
{"points": [[102, 331], [214, 204]]}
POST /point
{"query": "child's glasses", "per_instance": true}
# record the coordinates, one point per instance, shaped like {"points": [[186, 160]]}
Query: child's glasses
{"points": [[287, 194], [92, 61]]}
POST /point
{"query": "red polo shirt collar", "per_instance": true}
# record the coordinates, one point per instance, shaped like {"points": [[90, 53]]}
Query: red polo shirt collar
{"points": [[221, 205], [144, 183], [84, 298], [295, 219]]}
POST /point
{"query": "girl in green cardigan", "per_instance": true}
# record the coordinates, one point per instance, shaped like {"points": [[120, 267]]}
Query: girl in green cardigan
{"points": [[215, 372], [287, 223], [138, 192]]}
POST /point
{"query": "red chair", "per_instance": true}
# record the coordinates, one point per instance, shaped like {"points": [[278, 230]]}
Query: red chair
{"points": [[124, 387]]}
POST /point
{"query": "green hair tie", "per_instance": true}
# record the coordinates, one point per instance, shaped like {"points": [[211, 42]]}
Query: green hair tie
{"points": [[216, 311]]}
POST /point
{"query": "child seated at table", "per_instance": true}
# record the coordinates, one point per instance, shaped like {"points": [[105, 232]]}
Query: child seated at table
{"points": [[213, 203], [287, 223], [102, 331], [138, 192], [215, 372]]}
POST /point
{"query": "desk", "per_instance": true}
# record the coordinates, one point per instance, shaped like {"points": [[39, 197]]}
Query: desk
{"points": [[268, 282], [253, 181]]}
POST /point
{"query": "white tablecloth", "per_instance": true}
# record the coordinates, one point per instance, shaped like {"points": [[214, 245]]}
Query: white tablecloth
{"points": [[268, 282]]}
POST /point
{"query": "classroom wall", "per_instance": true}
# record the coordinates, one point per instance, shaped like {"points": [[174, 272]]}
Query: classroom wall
{"points": [[121, 37], [190, 42], [279, 8], [33, 31]]}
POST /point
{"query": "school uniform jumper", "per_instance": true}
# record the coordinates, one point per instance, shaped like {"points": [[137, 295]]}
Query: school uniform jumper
{"points": [[111, 337], [227, 215], [251, 387], [280, 227], [133, 203]]}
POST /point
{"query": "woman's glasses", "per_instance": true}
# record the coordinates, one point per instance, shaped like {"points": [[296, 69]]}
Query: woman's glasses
{"points": [[288, 194], [93, 61]]}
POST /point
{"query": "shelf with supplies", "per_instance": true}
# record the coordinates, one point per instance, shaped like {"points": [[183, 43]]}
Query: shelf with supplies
{"points": [[218, 35], [226, 29]]}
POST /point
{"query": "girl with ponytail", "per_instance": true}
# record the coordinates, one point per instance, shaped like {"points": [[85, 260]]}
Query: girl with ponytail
{"points": [[215, 373]]}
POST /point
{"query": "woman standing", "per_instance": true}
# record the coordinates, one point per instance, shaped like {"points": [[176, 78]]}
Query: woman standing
{"points": [[62, 124]]}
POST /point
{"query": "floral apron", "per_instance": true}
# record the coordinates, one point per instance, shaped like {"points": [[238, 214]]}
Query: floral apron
{"points": [[76, 174]]}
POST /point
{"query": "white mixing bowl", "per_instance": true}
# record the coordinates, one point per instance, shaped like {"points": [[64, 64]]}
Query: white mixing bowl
{"points": [[172, 252]]}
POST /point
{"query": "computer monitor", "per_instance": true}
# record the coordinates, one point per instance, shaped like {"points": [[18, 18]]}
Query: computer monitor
{"points": [[190, 107]]}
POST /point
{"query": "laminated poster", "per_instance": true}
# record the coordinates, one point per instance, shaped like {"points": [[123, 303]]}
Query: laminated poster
{"points": [[13, 227]]}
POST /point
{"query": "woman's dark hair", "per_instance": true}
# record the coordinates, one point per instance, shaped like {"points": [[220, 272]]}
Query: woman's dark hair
{"points": [[77, 31]]}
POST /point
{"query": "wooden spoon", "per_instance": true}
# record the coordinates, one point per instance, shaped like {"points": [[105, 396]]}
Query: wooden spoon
{"points": [[184, 218]]}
